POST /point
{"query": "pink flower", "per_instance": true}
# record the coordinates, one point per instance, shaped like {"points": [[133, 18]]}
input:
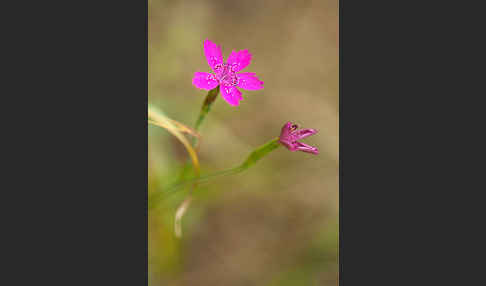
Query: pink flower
{"points": [[290, 135], [225, 73]]}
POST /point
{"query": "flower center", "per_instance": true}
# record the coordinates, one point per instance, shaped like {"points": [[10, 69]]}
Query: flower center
{"points": [[226, 74]]}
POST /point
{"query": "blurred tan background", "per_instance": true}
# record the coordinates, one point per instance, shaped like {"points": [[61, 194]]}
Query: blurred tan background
{"points": [[276, 223]]}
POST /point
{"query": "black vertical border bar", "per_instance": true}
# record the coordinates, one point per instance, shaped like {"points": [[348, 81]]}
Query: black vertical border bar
{"points": [[83, 162]]}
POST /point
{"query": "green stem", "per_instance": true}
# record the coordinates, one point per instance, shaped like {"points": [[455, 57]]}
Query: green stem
{"points": [[254, 156], [201, 179], [206, 107]]}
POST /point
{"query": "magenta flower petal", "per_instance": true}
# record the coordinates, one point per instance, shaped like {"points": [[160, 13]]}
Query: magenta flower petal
{"points": [[239, 60], [213, 54], [231, 94], [204, 80], [289, 136], [306, 148], [300, 134], [249, 81]]}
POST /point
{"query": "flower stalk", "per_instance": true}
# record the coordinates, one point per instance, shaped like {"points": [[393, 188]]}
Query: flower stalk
{"points": [[206, 107], [252, 158]]}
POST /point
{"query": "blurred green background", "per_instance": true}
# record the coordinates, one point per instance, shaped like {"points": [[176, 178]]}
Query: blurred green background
{"points": [[276, 223]]}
